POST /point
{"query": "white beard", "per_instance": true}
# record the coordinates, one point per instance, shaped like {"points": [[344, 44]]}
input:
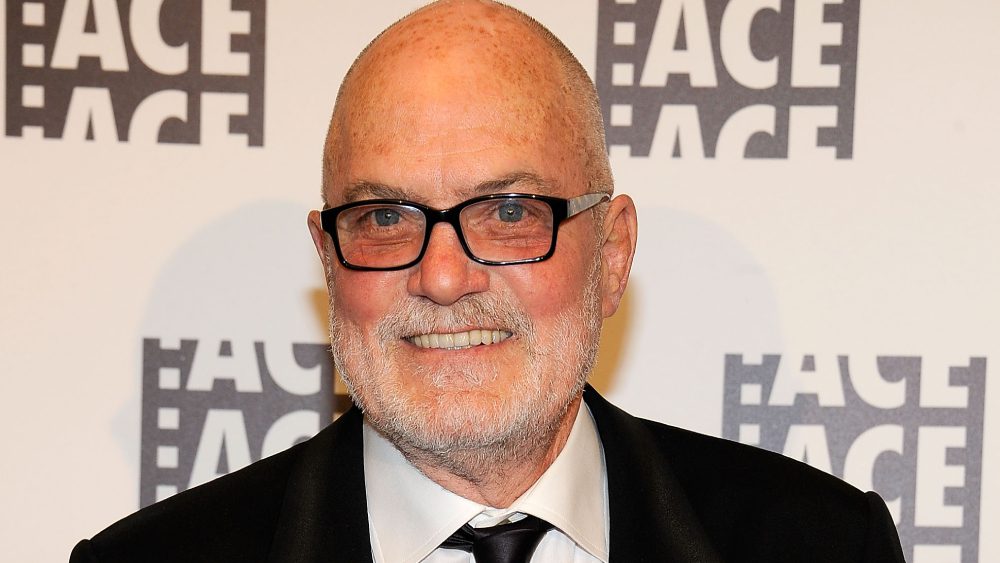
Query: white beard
{"points": [[458, 418]]}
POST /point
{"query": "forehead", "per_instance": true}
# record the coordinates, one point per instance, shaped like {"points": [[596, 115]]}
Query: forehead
{"points": [[433, 160], [451, 148], [446, 112]]}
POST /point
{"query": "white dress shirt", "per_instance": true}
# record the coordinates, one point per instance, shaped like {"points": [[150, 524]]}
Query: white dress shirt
{"points": [[409, 515]]}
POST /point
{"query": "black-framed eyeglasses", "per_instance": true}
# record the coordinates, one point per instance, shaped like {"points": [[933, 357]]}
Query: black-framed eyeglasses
{"points": [[495, 229]]}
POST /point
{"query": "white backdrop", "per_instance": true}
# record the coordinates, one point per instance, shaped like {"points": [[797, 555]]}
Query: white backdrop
{"points": [[850, 273]]}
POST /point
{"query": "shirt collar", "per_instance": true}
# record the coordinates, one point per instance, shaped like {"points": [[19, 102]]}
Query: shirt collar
{"points": [[409, 515]]}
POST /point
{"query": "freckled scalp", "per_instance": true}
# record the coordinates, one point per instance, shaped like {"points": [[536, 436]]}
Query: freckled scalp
{"points": [[451, 47]]}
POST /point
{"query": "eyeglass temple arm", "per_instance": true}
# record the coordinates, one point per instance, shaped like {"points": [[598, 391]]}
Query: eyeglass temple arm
{"points": [[584, 202]]}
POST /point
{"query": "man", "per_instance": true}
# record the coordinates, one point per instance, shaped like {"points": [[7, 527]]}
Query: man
{"points": [[472, 249]]}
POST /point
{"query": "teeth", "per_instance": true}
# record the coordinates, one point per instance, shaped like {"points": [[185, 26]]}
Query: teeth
{"points": [[459, 340]]}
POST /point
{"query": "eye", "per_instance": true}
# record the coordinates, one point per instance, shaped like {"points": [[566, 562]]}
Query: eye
{"points": [[510, 212], [385, 217]]}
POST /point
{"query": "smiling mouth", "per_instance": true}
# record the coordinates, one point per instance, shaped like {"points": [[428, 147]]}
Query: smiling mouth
{"points": [[459, 340]]}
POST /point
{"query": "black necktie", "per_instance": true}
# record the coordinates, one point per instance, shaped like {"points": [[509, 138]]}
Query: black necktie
{"points": [[506, 543]]}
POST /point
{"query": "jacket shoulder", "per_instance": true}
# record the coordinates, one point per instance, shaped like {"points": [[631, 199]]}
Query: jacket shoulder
{"points": [[229, 518], [707, 462], [754, 501], [708, 467], [719, 500]]}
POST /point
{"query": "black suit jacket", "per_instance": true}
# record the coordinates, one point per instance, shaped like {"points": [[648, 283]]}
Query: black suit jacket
{"points": [[674, 496]]}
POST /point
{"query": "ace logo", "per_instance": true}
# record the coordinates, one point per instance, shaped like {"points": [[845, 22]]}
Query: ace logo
{"points": [[908, 427], [728, 78], [211, 406], [143, 71]]}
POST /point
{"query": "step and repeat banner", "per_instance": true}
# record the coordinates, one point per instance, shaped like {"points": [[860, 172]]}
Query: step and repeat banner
{"points": [[817, 271]]}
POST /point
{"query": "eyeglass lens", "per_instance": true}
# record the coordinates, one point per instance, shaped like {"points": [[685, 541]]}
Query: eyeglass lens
{"points": [[496, 230]]}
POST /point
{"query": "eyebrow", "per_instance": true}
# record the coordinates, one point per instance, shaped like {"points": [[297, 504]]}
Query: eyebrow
{"points": [[364, 189], [531, 182]]}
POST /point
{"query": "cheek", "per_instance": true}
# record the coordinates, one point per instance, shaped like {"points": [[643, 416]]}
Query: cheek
{"points": [[542, 292], [364, 298], [552, 287]]}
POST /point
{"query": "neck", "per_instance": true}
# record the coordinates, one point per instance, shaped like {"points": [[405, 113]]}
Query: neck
{"points": [[498, 476]]}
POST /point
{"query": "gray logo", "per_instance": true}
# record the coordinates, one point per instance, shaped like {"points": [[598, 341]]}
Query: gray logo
{"points": [[729, 79], [210, 407], [907, 427], [143, 71]]}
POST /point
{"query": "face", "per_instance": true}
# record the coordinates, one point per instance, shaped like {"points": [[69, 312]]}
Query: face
{"points": [[538, 324]]}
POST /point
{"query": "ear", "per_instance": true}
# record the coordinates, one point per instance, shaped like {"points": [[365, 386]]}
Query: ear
{"points": [[617, 251], [319, 237]]}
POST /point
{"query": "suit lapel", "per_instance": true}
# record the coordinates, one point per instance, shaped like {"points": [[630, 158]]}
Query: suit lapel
{"points": [[325, 514], [651, 518]]}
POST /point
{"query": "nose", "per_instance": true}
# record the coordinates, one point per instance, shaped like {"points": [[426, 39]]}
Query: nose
{"points": [[446, 273]]}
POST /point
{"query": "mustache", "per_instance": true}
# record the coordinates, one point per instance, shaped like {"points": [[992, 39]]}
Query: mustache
{"points": [[421, 316]]}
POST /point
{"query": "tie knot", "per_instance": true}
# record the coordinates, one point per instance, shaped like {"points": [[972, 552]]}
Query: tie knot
{"points": [[504, 543]]}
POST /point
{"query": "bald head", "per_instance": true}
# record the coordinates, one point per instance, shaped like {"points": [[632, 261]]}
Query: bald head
{"points": [[467, 64]]}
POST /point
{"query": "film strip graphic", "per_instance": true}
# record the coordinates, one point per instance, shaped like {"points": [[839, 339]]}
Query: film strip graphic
{"points": [[210, 407], [909, 427], [713, 78], [136, 70], [29, 18]]}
